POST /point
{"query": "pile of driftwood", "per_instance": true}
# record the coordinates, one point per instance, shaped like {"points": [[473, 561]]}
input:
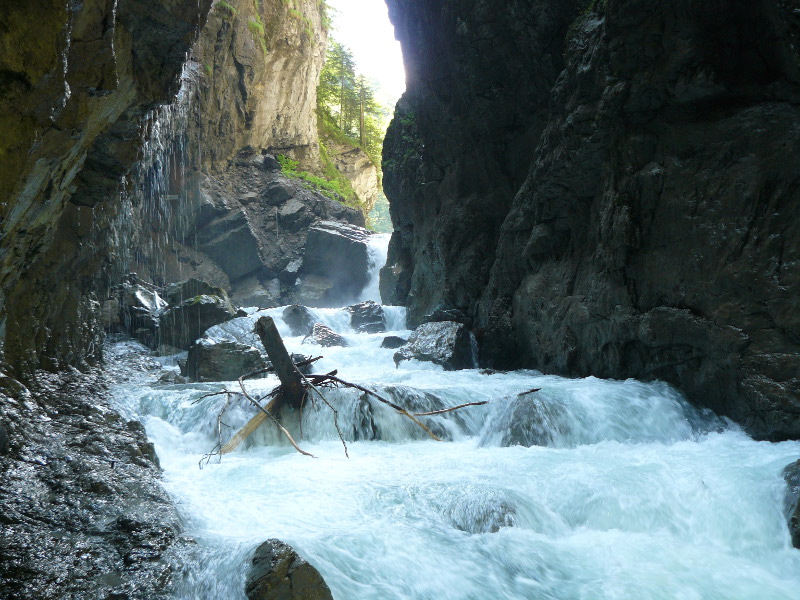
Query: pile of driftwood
{"points": [[294, 390]]}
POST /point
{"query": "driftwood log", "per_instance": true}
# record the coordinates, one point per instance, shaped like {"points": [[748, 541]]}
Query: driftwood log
{"points": [[295, 387]]}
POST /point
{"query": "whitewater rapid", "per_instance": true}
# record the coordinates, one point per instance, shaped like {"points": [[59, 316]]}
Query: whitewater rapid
{"points": [[636, 495]]}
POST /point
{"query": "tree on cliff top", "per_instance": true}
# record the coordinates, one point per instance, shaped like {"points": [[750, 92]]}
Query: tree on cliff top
{"points": [[347, 108]]}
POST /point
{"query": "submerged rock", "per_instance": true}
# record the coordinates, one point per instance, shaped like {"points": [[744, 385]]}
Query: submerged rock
{"points": [[279, 573], [299, 319], [792, 501], [392, 342], [367, 317], [222, 361], [324, 336], [445, 343]]}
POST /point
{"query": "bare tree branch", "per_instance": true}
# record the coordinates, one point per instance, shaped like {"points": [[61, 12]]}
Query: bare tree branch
{"points": [[452, 408]]}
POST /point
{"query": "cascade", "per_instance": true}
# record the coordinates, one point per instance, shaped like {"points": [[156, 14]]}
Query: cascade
{"points": [[585, 488], [154, 200]]}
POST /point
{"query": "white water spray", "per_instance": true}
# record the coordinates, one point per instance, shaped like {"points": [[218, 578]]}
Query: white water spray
{"points": [[631, 494]]}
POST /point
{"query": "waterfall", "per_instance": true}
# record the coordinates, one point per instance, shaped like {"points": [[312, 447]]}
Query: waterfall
{"points": [[377, 247], [155, 197], [556, 488]]}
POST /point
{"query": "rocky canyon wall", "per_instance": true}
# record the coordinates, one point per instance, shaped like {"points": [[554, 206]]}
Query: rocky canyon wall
{"points": [[650, 229], [77, 79]]}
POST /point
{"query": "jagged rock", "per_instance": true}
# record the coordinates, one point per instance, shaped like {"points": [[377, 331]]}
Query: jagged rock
{"points": [[445, 343], [337, 253], [357, 166], [139, 312], [251, 292], [181, 325], [221, 361], [367, 317], [324, 336], [392, 342], [299, 319], [277, 572], [176, 293], [792, 501]]}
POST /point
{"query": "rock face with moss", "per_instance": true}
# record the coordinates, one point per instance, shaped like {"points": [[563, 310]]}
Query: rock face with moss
{"points": [[631, 213]]}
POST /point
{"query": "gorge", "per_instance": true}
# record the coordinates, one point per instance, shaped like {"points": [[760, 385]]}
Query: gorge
{"points": [[597, 189]]}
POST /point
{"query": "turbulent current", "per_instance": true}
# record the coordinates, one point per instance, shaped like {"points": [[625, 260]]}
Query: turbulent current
{"points": [[585, 489]]}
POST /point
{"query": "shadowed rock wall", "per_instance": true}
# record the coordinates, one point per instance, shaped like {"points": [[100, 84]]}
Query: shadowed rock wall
{"points": [[77, 79], [656, 234]]}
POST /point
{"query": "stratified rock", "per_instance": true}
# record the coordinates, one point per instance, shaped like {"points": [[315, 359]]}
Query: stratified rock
{"points": [[367, 317], [792, 501], [279, 573], [299, 319], [392, 342], [445, 343], [337, 252], [324, 336], [181, 325], [222, 361]]}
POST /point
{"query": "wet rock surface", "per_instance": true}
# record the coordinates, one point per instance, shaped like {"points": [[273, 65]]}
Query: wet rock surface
{"points": [[367, 317], [277, 572], [78, 79], [392, 341], [792, 501], [646, 226], [181, 325], [83, 514], [299, 319], [336, 253], [445, 343], [222, 361], [324, 336]]}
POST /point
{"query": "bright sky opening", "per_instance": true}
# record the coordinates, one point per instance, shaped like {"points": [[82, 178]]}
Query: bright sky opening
{"points": [[364, 27]]}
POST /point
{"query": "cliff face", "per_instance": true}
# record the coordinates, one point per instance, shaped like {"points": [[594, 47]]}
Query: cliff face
{"points": [[656, 234], [259, 64], [77, 79], [459, 147]]}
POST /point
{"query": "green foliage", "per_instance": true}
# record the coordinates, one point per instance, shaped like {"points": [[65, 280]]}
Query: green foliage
{"points": [[209, 69], [335, 188], [347, 109], [256, 27], [227, 9]]}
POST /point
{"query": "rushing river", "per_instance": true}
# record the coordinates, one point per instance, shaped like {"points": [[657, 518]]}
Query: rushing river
{"points": [[631, 493]]}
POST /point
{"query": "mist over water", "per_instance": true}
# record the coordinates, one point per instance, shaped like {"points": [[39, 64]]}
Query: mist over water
{"points": [[585, 489]]}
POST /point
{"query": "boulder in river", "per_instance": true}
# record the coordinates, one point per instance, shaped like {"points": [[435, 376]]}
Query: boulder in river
{"points": [[338, 253], [222, 361], [181, 325], [792, 502], [445, 343], [299, 319], [279, 573], [392, 342], [367, 317], [324, 336]]}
